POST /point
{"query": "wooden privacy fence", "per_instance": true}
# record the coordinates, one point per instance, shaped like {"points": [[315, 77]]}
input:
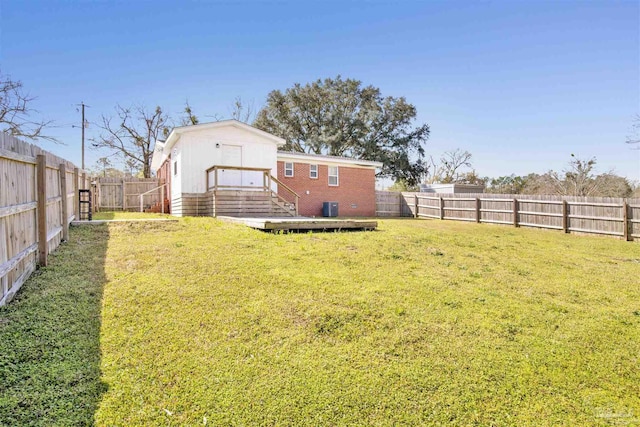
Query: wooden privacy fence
{"points": [[124, 193], [594, 215], [38, 200]]}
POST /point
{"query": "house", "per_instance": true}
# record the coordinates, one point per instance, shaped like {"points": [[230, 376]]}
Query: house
{"points": [[318, 179], [233, 169]]}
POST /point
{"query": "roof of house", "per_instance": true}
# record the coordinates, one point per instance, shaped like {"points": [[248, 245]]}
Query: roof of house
{"points": [[327, 159], [162, 149], [179, 130]]}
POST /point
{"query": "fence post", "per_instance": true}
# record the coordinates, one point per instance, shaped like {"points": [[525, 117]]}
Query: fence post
{"points": [[41, 184], [478, 209], [124, 197], [441, 208], [65, 207], [515, 212], [565, 216], [625, 219], [76, 194], [97, 196], [415, 205]]}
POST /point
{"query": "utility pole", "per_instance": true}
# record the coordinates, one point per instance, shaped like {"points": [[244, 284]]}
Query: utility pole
{"points": [[83, 125]]}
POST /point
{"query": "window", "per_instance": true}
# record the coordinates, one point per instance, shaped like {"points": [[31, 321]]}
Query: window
{"points": [[313, 171], [175, 167], [288, 169], [333, 176]]}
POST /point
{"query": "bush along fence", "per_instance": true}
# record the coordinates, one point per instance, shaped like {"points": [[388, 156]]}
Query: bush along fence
{"points": [[610, 216], [38, 201]]}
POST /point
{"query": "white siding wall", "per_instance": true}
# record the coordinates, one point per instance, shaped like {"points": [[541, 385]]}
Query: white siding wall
{"points": [[176, 181], [196, 152]]}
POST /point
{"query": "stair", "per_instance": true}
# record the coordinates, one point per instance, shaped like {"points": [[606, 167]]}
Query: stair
{"points": [[254, 204], [157, 207]]}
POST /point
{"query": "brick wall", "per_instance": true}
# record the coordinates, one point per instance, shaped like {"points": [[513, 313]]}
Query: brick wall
{"points": [[355, 194], [164, 174]]}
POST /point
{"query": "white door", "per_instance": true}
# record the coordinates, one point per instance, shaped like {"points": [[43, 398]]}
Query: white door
{"points": [[231, 156]]}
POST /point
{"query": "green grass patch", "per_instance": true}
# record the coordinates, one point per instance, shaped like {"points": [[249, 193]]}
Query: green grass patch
{"points": [[49, 338], [418, 323], [119, 215]]}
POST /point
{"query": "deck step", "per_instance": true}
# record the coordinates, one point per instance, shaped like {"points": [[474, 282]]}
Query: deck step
{"points": [[249, 204]]}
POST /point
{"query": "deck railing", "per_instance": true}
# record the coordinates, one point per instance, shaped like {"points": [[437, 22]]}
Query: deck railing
{"points": [[295, 195], [267, 180]]}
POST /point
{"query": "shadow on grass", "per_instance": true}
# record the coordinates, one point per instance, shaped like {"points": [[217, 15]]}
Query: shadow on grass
{"points": [[50, 338]]}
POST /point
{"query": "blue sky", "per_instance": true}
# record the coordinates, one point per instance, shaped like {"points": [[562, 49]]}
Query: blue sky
{"points": [[520, 84]]}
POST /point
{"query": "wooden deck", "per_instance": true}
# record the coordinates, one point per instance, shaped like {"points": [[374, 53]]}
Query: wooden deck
{"points": [[303, 223]]}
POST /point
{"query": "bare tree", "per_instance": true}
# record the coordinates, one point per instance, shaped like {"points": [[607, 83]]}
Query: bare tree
{"points": [[133, 134], [131, 166], [103, 163], [577, 180], [16, 112], [189, 118], [243, 111], [634, 139], [449, 169]]}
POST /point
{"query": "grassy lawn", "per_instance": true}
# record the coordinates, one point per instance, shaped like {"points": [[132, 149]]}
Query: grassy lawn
{"points": [[128, 215], [419, 323], [50, 338]]}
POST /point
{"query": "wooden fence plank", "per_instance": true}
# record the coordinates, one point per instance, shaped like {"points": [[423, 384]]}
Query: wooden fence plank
{"points": [[17, 157], [625, 221], [41, 185], [7, 266], [16, 209], [65, 206], [31, 203]]}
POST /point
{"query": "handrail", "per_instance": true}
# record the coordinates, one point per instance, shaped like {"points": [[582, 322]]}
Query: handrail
{"points": [[215, 169], [266, 185], [239, 168], [295, 203], [295, 195], [284, 185], [153, 189]]}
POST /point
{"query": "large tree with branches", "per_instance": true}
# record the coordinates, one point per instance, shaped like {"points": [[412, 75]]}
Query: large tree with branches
{"points": [[16, 114], [344, 118], [634, 140], [133, 133], [454, 167]]}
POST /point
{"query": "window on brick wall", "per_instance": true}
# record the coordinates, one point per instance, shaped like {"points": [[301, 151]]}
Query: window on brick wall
{"points": [[333, 176], [313, 171], [288, 169]]}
